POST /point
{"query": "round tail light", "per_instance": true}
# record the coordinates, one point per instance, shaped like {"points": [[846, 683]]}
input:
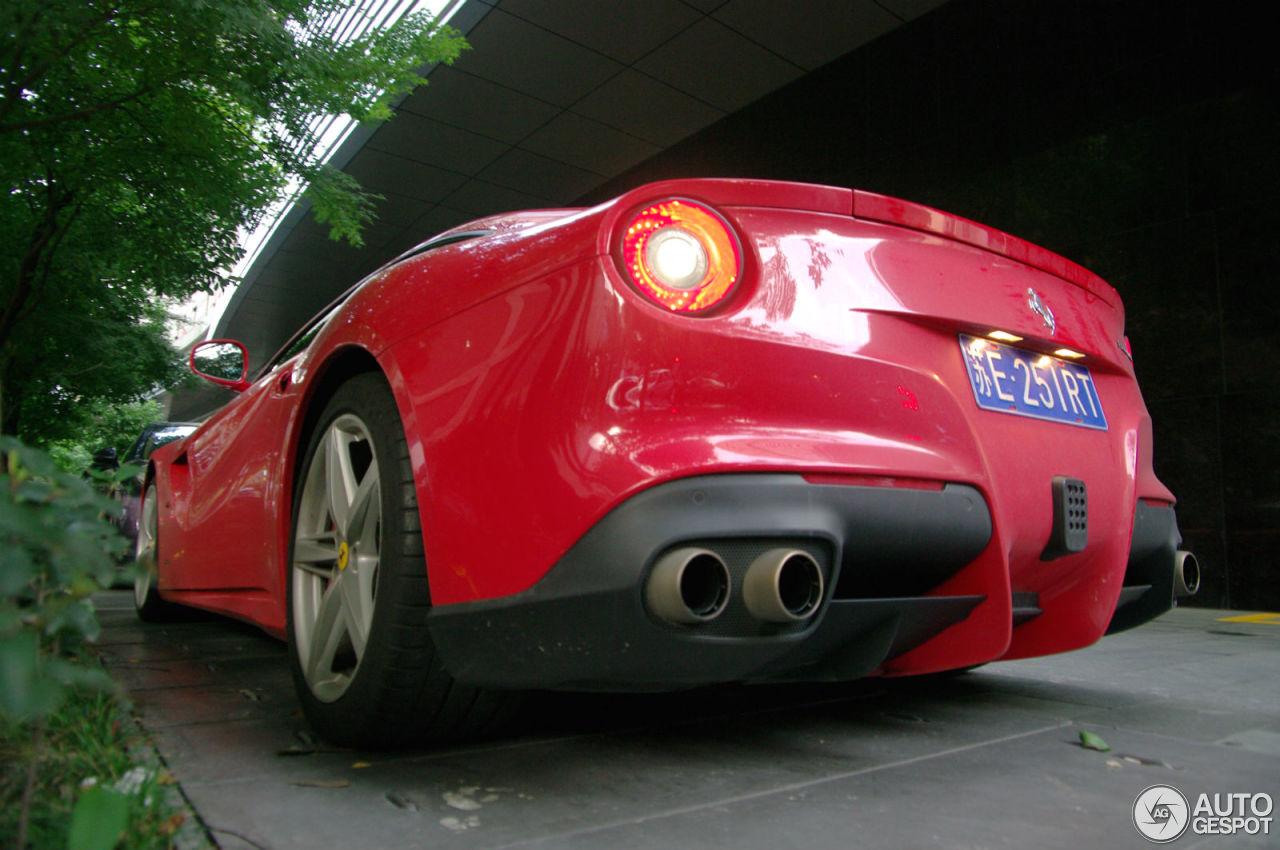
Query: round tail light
{"points": [[682, 255]]}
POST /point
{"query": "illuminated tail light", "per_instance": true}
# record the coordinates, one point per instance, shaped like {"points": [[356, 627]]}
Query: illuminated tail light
{"points": [[682, 255]]}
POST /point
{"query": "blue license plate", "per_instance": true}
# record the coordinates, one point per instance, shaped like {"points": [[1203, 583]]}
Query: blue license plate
{"points": [[1025, 383]]}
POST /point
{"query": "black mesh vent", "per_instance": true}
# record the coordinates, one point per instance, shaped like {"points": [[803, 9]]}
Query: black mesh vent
{"points": [[1070, 518]]}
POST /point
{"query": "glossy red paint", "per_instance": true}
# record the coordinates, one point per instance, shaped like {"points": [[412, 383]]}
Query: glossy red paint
{"points": [[539, 390]]}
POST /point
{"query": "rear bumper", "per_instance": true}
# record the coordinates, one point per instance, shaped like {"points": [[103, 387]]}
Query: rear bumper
{"points": [[585, 624], [1149, 579], [882, 550]]}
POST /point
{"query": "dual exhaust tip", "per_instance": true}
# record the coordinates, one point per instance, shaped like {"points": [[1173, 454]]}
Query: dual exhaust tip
{"points": [[1186, 574], [692, 585]]}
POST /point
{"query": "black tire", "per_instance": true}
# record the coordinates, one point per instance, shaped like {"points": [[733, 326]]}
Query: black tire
{"points": [[146, 599], [355, 578], [945, 675]]}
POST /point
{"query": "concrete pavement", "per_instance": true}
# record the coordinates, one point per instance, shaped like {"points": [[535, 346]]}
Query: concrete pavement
{"points": [[987, 759]]}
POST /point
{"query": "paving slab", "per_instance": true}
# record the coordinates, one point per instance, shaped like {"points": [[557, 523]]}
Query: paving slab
{"points": [[987, 759]]}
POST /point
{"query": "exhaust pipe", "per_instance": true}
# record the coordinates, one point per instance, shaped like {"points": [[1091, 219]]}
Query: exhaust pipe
{"points": [[1186, 574], [783, 586], [688, 586]]}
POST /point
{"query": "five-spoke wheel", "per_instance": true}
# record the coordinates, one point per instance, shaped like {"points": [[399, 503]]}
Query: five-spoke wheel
{"points": [[336, 556]]}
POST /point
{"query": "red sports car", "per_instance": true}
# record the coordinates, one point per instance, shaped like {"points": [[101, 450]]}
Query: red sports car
{"points": [[709, 431]]}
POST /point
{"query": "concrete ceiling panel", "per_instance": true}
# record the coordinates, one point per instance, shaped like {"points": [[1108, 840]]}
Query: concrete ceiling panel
{"points": [[399, 210], [433, 221], [252, 321], [622, 31], [537, 175], [648, 109], [707, 6], [434, 143], [909, 10], [486, 108], [382, 172], [713, 63], [428, 224], [588, 144], [531, 60], [284, 266], [377, 236], [479, 198], [311, 256], [271, 276], [265, 301], [808, 33]]}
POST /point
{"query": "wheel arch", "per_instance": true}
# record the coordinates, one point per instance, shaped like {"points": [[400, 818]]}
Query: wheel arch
{"points": [[341, 366]]}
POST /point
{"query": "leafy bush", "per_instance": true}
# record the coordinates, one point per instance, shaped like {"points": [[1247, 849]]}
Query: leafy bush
{"points": [[57, 549]]}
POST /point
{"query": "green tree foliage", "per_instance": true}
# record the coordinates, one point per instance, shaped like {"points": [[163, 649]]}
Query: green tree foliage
{"points": [[138, 138], [71, 367], [101, 424]]}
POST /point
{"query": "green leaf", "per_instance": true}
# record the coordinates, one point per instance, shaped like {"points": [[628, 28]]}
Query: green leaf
{"points": [[76, 618], [32, 460], [22, 522], [18, 570], [100, 476], [24, 693], [99, 818], [129, 470], [1090, 741], [33, 490], [77, 675]]}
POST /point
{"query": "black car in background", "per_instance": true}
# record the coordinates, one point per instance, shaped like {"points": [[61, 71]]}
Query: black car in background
{"points": [[129, 491]]}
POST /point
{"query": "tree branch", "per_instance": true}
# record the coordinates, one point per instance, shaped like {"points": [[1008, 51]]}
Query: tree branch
{"points": [[36, 249], [46, 263], [85, 112], [41, 68], [86, 370]]}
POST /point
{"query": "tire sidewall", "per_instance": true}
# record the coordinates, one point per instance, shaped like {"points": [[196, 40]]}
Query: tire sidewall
{"points": [[152, 608]]}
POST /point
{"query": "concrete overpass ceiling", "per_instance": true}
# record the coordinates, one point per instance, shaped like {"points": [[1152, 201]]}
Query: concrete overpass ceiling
{"points": [[555, 98]]}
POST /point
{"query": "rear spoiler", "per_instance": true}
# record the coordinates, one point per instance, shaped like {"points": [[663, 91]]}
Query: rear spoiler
{"points": [[869, 205]]}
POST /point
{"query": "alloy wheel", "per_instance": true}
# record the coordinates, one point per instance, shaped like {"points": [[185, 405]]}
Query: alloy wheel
{"points": [[336, 557], [146, 564]]}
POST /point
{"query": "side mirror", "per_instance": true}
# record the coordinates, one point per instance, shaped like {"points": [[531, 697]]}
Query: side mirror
{"points": [[224, 362], [106, 460]]}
